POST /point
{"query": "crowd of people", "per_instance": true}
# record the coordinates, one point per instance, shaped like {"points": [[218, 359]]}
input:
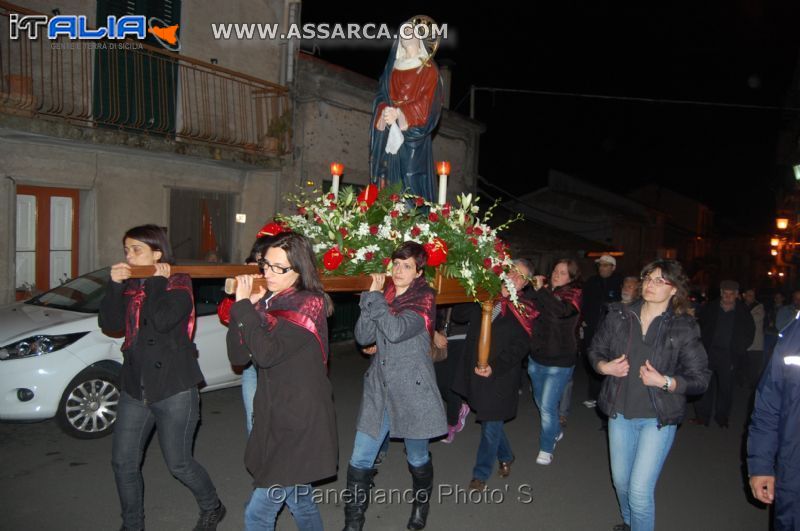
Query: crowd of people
{"points": [[645, 345]]}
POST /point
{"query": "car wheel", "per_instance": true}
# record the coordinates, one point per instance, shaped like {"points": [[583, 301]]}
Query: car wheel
{"points": [[88, 407]]}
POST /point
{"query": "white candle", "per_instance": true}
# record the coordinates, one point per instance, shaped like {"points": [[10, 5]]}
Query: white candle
{"points": [[442, 188], [335, 186]]}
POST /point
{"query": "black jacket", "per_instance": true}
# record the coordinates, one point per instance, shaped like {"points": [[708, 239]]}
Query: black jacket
{"points": [[163, 360], [744, 328], [555, 334], [495, 397], [597, 293], [294, 438], [678, 352]]}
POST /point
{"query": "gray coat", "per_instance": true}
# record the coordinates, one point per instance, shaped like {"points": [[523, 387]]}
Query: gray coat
{"points": [[400, 378]]}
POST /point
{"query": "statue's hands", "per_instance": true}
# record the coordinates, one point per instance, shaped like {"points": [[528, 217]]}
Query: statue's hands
{"points": [[389, 115]]}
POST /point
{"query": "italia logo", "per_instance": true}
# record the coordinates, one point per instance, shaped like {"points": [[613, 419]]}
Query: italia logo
{"points": [[77, 27]]}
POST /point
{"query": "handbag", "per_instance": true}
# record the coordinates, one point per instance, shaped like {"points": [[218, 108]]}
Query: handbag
{"points": [[440, 354]]}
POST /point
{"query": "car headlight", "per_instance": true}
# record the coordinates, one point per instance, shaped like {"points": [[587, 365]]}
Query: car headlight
{"points": [[38, 345]]}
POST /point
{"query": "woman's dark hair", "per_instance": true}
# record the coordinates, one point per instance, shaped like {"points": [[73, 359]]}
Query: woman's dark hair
{"points": [[155, 237], [672, 272], [412, 250], [301, 257], [260, 247], [573, 268]]}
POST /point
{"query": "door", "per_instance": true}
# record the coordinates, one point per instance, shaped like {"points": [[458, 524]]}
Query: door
{"points": [[46, 238]]}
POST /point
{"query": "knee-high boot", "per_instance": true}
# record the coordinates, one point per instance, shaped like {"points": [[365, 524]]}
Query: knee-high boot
{"points": [[422, 481], [359, 484]]}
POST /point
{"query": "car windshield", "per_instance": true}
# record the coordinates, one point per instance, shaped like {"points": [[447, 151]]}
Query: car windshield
{"points": [[81, 294]]}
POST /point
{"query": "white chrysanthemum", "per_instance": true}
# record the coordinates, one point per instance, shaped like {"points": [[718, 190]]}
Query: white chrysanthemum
{"points": [[363, 230]]}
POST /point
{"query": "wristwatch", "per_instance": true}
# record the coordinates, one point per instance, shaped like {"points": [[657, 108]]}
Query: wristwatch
{"points": [[667, 383]]}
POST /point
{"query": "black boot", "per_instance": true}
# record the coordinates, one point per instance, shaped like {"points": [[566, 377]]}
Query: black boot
{"points": [[422, 481], [359, 483]]}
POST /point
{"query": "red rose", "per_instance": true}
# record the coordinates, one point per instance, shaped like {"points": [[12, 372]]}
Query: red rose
{"points": [[499, 246], [487, 263], [317, 219], [332, 259], [302, 211], [394, 213], [419, 201], [446, 210], [373, 229], [271, 229], [351, 253], [415, 231], [368, 196], [433, 217], [386, 261], [343, 232], [394, 198], [437, 252], [332, 206], [368, 256], [474, 241], [497, 269], [363, 208], [477, 231], [331, 197]]}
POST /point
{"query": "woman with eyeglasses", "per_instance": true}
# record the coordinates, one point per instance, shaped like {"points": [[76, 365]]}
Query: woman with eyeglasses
{"points": [[294, 441], [652, 355], [554, 348], [400, 396]]}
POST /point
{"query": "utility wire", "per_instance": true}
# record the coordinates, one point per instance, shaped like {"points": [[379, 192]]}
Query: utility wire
{"points": [[635, 99]]}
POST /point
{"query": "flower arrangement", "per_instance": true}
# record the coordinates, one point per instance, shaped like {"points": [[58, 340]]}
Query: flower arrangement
{"points": [[356, 232]]}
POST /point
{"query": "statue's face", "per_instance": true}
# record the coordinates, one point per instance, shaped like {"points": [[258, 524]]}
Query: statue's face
{"points": [[411, 46]]}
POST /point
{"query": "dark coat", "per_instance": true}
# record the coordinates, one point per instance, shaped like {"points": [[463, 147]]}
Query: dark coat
{"points": [[495, 397], [294, 438], [744, 328], [597, 293], [163, 360], [677, 352], [773, 443], [555, 341]]}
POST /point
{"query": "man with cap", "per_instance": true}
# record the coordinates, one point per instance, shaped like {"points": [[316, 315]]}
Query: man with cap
{"points": [[727, 329], [598, 291]]}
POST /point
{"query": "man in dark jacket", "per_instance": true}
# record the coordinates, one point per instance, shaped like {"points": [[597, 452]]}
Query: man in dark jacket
{"points": [[727, 329], [598, 291], [774, 433]]}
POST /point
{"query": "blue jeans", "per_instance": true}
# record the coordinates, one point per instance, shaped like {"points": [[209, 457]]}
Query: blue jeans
{"points": [[265, 504], [366, 448], [638, 450], [175, 419], [249, 383], [493, 447], [548, 386]]}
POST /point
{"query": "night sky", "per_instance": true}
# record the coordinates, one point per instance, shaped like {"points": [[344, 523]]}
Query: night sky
{"points": [[743, 52]]}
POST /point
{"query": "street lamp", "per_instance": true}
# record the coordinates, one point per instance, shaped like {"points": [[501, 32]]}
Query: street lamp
{"points": [[774, 242], [782, 223]]}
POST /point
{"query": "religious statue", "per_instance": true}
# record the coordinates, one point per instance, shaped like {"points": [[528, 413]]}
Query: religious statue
{"points": [[405, 113]]}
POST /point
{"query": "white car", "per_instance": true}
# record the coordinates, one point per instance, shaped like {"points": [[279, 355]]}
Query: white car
{"points": [[56, 362]]}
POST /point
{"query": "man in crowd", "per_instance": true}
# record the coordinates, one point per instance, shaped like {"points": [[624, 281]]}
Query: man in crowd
{"points": [[727, 329], [754, 357], [598, 291]]}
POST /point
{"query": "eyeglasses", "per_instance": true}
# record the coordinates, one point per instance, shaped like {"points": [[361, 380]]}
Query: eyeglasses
{"points": [[657, 281], [280, 270]]}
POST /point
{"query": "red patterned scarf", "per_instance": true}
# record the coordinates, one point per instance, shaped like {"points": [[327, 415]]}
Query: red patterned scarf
{"points": [[419, 298], [134, 290], [301, 308]]}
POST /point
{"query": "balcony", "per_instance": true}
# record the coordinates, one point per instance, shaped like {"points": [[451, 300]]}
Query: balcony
{"points": [[134, 87]]}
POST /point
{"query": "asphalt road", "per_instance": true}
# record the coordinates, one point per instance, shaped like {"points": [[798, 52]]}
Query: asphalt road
{"points": [[53, 482]]}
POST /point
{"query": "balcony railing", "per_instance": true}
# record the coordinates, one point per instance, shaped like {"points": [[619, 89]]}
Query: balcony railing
{"points": [[131, 85]]}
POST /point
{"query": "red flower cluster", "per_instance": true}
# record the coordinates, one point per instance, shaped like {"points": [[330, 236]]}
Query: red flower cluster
{"points": [[332, 259], [437, 252]]}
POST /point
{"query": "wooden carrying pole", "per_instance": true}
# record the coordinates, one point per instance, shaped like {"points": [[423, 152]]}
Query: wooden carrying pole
{"points": [[448, 290]]}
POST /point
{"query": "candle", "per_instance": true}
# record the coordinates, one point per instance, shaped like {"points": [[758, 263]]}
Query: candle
{"points": [[443, 169], [337, 168]]}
